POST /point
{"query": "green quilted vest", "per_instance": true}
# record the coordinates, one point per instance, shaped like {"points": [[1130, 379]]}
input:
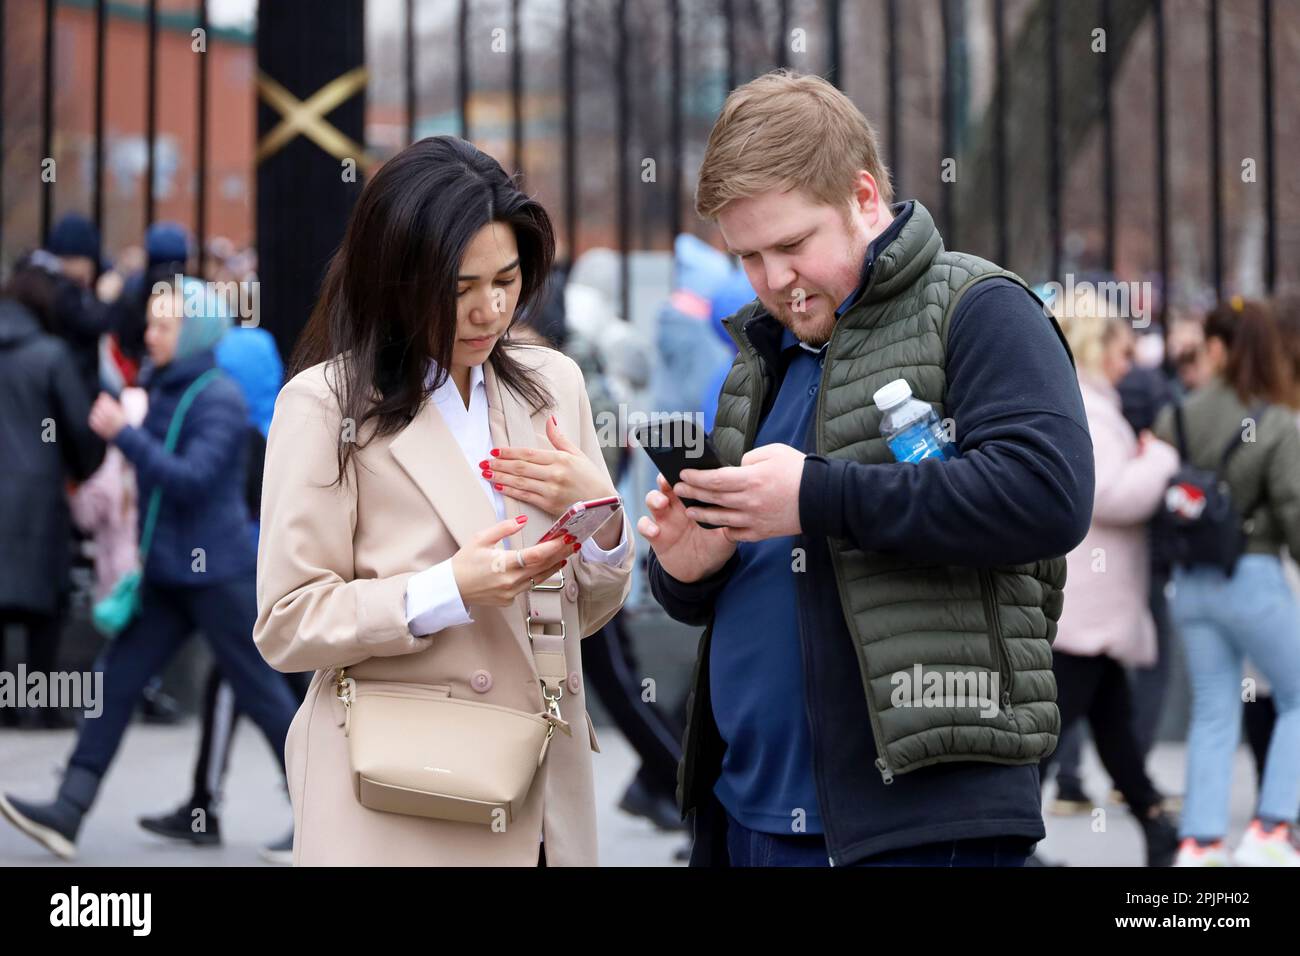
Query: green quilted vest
{"points": [[901, 613]]}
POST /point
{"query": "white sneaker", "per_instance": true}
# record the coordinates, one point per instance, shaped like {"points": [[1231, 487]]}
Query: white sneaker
{"points": [[280, 852], [1258, 848], [1191, 853]]}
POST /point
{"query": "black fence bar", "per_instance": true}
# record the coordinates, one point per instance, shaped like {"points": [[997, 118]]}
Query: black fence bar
{"points": [[1104, 78], [729, 31], [516, 90], [782, 31], [621, 181], [47, 123], [101, 43], [735, 17], [201, 143], [891, 87], [151, 109], [1000, 127], [302, 200], [676, 136], [3, 12], [570, 133], [408, 70], [1216, 182], [948, 122], [835, 43], [462, 71], [1270, 147], [1054, 135], [1162, 171]]}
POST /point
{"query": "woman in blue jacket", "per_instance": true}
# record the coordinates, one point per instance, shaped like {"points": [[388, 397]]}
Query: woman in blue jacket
{"points": [[199, 573]]}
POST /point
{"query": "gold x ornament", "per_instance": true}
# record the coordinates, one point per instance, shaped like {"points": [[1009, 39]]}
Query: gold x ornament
{"points": [[308, 118]]}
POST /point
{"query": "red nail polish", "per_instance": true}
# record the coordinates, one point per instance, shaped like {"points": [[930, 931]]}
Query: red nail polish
{"points": [[564, 562], [554, 421], [497, 486], [487, 474], [576, 547], [483, 464], [522, 518], [496, 452]]}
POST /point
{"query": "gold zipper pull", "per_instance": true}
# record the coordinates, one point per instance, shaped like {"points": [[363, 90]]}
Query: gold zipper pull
{"points": [[345, 690]]}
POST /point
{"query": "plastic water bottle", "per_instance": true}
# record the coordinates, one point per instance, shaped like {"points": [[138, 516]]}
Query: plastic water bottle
{"points": [[910, 427]]}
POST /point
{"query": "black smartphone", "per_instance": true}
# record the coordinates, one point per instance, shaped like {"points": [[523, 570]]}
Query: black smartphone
{"points": [[674, 444]]}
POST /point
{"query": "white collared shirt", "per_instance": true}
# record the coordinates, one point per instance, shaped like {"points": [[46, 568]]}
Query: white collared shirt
{"points": [[433, 600]]}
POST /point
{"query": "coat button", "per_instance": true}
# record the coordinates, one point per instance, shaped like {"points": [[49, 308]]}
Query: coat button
{"points": [[481, 681], [571, 590], [575, 682]]}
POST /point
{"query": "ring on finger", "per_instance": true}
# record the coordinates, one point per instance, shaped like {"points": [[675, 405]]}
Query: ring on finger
{"points": [[519, 556]]}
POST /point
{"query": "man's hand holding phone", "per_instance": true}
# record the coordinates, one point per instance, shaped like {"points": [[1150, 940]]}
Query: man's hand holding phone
{"points": [[757, 500], [686, 551]]}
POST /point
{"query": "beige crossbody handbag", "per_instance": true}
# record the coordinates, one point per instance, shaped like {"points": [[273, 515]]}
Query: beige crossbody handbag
{"points": [[416, 750]]}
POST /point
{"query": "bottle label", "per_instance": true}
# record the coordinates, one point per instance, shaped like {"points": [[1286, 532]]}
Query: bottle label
{"points": [[916, 443]]}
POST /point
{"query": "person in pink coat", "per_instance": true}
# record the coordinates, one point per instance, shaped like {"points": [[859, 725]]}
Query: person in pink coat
{"points": [[1106, 622], [104, 506]]}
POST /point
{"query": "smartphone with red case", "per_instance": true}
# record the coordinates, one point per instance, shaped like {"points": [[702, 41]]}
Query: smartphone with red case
{"points": [[584, 518]]}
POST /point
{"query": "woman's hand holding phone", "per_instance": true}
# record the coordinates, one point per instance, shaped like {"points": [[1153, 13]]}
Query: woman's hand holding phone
{"points": [[686, 551], [487, 574]]}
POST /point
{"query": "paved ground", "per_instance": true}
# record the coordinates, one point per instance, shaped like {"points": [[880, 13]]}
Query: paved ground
{"points": [[152, 771]]}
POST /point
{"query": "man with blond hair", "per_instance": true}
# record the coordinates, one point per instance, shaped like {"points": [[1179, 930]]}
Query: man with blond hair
{"points": [[847, 595]]}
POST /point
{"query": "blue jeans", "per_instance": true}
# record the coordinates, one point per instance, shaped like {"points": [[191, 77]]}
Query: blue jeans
{"points": [[224, 614], [747, 847], [1223, 620]]}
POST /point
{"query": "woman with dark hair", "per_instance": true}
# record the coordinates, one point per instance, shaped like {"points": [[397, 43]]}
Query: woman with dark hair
{"points": [[1251, 613], [44, 443], [1261, 715], [381, 555]]}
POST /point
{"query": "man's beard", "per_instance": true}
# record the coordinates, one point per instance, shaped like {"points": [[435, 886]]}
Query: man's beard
{"points": [[811, 328]]}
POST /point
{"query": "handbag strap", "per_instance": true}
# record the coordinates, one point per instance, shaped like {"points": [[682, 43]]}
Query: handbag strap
{"points": [[1180, 429], [1255, 415], [1235, 442], [169, 445], [545, 609], [545, 602]]}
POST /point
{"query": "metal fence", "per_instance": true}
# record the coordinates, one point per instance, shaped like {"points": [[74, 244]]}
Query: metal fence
{"points": [[735, 16]]}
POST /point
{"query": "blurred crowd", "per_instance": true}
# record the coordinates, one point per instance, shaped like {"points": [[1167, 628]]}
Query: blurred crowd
{"points": [[93, 357], [1225, 400], [101, 366]]}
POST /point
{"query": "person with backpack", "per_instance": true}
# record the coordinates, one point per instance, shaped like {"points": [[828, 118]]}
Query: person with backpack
{"points": [[1106, 622], [197, 559], [1229, 511]]}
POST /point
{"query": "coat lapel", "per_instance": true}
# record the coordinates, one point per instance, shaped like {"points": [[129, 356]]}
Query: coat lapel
{"points": [[429, 454], [511, 424]]}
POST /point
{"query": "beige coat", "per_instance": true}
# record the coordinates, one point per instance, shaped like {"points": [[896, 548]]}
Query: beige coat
{"points": [[331, 582]]}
